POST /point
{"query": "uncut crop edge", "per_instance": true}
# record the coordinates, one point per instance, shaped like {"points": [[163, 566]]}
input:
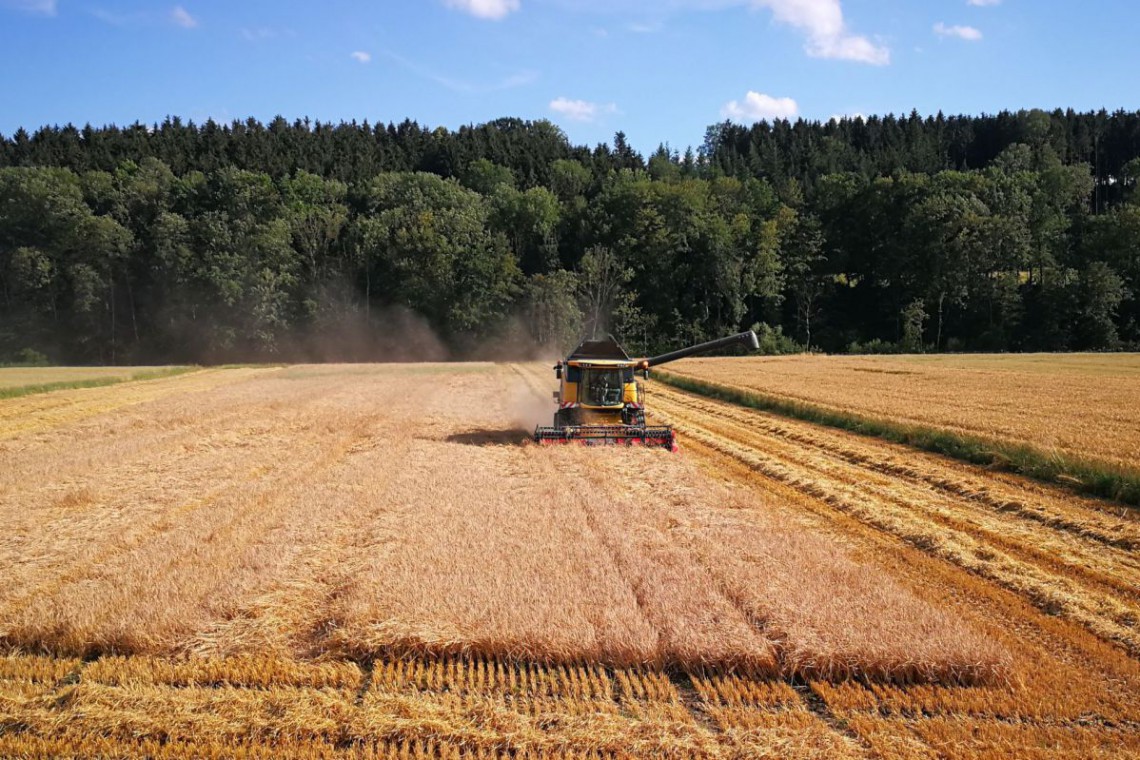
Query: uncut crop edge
{"points": [[95, 382], [1088, 476]]}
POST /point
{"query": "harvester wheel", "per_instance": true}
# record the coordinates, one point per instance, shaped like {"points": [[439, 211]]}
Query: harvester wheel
{"points": [[565, 418]]}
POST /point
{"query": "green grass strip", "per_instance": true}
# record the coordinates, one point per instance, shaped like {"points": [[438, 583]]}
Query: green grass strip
{"points": [[94, 382], [1088, 476]]}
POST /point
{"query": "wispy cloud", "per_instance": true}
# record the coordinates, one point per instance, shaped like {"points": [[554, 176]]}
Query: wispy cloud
{"points": [[520, 79], [650, 27], [510, 82], [361, 56], [489, 9], [581, 110], [968, 33], [826, 29], [41, 7], [821, 21], [757, 106], [983, 3], [116, 19], [182, 17], [178, 16], [258, 33]]}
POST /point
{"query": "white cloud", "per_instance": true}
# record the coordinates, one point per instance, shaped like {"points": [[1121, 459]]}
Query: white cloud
{"points": [[361, 56], [580, 110], [828, 36], [983, 3], [759, 107], [42, 7], [492, 9], [258, 33], [848, 116], [182, 17], [968, 33]]}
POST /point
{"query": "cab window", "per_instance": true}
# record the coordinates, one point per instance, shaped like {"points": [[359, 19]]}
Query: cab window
{"points": [[601, 387]]}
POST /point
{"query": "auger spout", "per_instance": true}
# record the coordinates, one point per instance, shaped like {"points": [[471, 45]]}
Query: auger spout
{"points": [[747, 338]]}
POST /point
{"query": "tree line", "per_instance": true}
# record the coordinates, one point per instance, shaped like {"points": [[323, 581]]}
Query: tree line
{"points": [[180, 242]]}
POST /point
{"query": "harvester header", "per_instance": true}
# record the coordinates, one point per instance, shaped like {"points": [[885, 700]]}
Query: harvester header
{"points": [[600, 401]]}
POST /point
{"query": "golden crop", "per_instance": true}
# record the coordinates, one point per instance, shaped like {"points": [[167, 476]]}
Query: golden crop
{"points": [[370, 562], [1086, 405]]}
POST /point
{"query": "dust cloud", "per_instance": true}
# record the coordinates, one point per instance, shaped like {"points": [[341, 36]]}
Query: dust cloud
{"points": [[512, 342], [529, 407], [393, 334]]}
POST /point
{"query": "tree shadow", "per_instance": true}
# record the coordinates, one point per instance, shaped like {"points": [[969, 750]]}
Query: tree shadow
{"points": [[505, 437]]}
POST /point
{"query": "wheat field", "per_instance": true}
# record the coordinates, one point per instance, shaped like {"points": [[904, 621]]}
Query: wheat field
{"points": [[1086, 405], [372, 561]]}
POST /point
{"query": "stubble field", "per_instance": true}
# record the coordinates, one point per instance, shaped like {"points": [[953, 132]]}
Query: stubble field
{"points": [[370, 561]]}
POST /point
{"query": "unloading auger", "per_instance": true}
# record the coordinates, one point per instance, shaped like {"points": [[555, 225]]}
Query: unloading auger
{"points": [[600, 401]]}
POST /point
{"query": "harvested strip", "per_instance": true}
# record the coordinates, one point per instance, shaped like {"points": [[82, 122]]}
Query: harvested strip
{"points": [[1085, 536], [968, 739], [224, 714], [479, 676], [643, 717], [27, 678], [973, 487], [251, 672], [999, 545]]}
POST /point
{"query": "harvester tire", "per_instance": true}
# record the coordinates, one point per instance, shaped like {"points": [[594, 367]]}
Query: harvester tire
{"points": [[565, 418]]}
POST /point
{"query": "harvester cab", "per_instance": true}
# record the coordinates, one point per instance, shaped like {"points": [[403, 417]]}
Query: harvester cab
{"points": [[600, 400]]}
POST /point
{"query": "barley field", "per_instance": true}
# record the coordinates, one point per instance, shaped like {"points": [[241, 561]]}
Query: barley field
{"points": [[373, 561]]}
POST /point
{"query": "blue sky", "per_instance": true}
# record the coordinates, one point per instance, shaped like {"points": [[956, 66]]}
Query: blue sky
{"points": [[660, 71]]}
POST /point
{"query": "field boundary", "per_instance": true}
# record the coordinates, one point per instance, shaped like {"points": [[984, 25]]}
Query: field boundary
{"points": [[1087, 476], [94, 382]]}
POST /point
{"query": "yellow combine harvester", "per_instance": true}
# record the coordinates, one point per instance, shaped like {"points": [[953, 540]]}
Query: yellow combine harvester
{"points": [[600, 401]]}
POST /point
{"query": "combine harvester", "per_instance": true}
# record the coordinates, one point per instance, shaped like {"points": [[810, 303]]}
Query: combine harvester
{"points": [[600, 401]]}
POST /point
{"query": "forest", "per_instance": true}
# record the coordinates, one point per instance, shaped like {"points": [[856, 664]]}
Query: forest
{"points": [[178, 242]]}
